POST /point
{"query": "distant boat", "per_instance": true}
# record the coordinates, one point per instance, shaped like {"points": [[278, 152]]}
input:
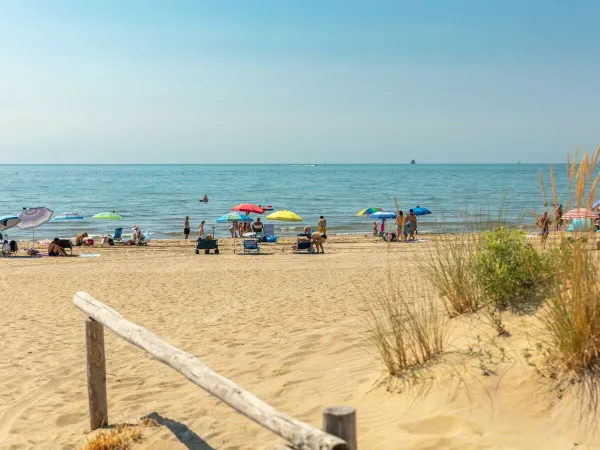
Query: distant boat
{"points": [[412, 161]]}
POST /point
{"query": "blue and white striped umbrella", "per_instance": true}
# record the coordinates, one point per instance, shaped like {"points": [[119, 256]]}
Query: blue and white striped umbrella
{"points": [[382, 215]]}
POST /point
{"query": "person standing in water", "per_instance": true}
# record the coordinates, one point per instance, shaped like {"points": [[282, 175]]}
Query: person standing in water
{"points": [[322, 225], [186, 227], [201, 229]]}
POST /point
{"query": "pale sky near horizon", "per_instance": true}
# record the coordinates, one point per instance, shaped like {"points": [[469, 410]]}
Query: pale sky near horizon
{"points": [[314, 81]]}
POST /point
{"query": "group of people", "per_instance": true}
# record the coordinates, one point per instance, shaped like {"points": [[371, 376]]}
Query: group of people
{"points": [[314, 240], [186, 228], [237, 229], [406, 227]]}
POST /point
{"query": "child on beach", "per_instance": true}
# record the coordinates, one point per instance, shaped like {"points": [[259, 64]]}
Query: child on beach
{"points": [[201, 228], [374, 228]]}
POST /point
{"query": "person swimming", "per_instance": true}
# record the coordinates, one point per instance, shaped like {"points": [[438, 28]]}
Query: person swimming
{"points": [[204, 199]]}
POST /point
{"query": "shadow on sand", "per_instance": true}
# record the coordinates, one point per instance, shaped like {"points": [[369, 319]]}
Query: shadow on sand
{"points": [[186, 436]]}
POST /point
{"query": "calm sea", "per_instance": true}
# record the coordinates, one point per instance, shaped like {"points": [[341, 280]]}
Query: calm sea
{"points": [[158, 197]]}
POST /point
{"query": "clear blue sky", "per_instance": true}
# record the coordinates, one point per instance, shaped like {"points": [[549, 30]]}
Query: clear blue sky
{"points": [[298, 81]]}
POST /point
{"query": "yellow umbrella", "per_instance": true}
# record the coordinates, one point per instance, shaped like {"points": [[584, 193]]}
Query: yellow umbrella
{"points": [[285, 216]]}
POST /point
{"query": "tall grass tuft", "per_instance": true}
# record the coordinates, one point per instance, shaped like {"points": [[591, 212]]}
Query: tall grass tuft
{"points": [[450, 270], [572, 313], [407, 329]]}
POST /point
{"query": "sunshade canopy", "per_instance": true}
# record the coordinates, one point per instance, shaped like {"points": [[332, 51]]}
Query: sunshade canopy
{"points": [[285, 216]]}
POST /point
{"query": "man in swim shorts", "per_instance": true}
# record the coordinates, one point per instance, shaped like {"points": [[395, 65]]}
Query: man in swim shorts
{"points": [[186, 227]]}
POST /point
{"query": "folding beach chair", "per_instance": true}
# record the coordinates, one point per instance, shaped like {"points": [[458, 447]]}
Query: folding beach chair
{"points": [[251, 246], [117, 236]]}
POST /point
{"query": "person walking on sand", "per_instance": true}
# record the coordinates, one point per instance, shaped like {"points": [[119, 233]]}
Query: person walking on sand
{"points": [[411, 223], [322, 225], [186, 227], [400, 223], [201, 228], [544, 224]]}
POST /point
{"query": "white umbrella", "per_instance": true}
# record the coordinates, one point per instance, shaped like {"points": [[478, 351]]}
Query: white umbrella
{"points": [[33, 218]]}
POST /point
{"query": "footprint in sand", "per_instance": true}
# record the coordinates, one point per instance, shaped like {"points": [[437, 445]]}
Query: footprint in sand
{"points": [[11, 414]]}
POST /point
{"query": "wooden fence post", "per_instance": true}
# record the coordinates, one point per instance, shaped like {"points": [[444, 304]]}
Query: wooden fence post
{"points": [[340, 421], [96, 374]]}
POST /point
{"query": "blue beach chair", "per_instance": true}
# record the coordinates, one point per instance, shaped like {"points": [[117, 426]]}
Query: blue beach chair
{"points": [[251, 246], [117, 236]]}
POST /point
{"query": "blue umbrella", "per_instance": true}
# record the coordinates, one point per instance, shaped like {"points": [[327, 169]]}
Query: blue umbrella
{"points": [[595, 204], [234, 216], [421, 211], [382, 215], [7, 222]]}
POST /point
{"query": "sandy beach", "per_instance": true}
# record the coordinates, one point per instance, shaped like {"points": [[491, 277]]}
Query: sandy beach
{"points": [[289, 328]]}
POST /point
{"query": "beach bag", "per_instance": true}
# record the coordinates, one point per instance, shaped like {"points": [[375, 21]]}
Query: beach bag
{"points": [[13, 246], [271, 239]]}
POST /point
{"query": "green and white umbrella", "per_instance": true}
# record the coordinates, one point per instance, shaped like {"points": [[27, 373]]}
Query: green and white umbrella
{"points": [[107, 216]]}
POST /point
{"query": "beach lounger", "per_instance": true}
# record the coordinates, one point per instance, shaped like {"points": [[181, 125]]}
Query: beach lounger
{"points": [[66, 243], [251, 246], [393, 237]]}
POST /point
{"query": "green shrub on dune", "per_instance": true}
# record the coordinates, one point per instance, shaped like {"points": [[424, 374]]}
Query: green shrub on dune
{"points": [[510, 271]]}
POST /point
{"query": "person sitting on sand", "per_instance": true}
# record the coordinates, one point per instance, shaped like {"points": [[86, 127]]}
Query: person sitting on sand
{"points": [[137, 238], [257, 226], [317, 239], [80, 239], [56, 250]]}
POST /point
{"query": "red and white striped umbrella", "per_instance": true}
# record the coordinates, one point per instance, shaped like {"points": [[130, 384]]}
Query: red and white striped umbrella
{"points": [[579, 213]]}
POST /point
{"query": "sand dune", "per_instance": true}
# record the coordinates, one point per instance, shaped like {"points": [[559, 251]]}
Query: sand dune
{"points": [[289, 328]]}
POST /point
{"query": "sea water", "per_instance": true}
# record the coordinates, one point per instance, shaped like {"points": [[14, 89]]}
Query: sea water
{"points": [[158, 197]]}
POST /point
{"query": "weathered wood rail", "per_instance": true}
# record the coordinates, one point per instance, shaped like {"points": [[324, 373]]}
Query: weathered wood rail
{"points": [[339, 422]]}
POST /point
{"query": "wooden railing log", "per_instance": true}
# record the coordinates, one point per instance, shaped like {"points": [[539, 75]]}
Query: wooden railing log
{"points": [[299, 434]]}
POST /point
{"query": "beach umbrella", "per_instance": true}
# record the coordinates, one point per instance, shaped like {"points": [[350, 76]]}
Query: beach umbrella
{"points": [[248, 208], [368, 211], [7, 222], [579, 213], [285, 216], [234, 217], [107, 216], [382, 215], [421, 211], [33, 218], [67, 217]]}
